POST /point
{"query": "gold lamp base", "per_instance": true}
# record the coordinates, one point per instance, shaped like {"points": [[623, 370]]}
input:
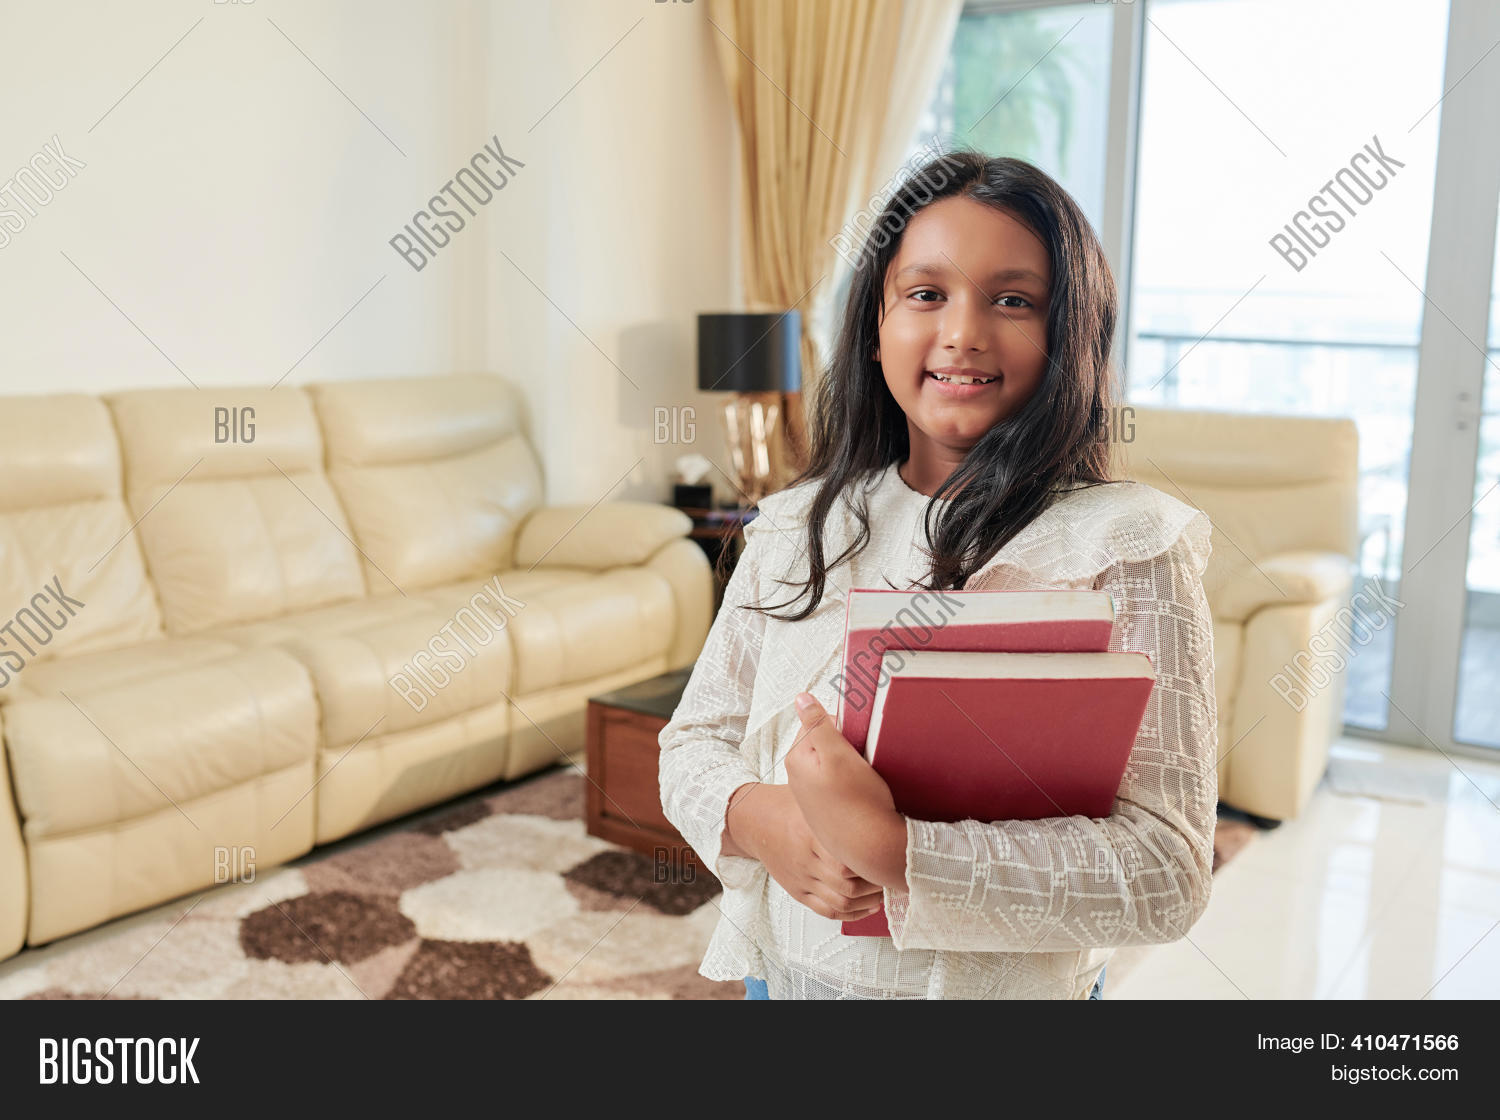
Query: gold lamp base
{"points": [[750, 419]]}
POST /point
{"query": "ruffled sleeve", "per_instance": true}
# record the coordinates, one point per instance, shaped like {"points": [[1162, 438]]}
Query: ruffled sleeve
{"points": [[1141, 875]]}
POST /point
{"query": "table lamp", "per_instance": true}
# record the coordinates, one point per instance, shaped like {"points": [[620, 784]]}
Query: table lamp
{"points": [[756, 358]]}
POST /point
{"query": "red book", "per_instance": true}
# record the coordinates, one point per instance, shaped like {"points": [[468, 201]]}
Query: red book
{"points": [[877, 620], [1003, 736]]}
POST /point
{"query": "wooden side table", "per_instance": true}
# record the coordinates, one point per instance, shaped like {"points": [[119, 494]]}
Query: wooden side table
{"points": [[624, 797]]}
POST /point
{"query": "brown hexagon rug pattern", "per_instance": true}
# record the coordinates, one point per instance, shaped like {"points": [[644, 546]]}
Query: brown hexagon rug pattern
{"points": [[499, 895]]}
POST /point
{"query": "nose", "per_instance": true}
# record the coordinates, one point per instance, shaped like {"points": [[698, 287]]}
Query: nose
{"points": [[965, 324]]}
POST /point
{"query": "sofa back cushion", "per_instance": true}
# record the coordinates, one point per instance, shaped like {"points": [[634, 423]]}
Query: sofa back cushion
{"points": [[238, 520], [1270, 484], [435, 473], [65, 536]]}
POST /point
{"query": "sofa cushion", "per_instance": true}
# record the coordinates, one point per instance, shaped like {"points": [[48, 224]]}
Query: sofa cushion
{"points": [[111, 668], [64, 526], [384, 665], [100, 755], [134, 793], [434, 472], [337, 619], [387, 665], [567, 625], [234, 531]]}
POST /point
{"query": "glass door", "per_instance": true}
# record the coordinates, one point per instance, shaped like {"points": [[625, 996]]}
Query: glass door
{"points": [[1477, 718], [1323, 244], [1443, 685], [1476, 419]]}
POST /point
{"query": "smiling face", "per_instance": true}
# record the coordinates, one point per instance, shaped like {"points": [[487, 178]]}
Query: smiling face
{"points": [[967, 293]]}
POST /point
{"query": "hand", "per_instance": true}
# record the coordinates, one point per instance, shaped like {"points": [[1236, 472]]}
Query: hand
{"points": [[764, 823], [846, 803]]}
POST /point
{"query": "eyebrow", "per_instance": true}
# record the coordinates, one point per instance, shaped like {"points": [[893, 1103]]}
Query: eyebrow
{"points": [[926, 269]]}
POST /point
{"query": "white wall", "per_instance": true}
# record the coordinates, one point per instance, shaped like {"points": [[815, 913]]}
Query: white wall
{"points": [[623, 217], [235, 205]]}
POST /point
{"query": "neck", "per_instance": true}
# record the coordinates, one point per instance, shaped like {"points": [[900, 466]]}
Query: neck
{"points": [[927, 467]]}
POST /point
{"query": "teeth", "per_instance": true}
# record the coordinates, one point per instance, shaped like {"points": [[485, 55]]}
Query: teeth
{"points": [[958, 380]]}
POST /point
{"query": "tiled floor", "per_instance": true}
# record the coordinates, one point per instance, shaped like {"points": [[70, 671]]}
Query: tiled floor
{"points": [[1361, 897]]}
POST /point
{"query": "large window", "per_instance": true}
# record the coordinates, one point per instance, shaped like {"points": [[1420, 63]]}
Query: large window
{"points": [[1192, 132], [1033, 84]]}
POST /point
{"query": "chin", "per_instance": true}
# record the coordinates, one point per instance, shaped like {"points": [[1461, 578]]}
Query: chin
{"points": [[954, 429]]}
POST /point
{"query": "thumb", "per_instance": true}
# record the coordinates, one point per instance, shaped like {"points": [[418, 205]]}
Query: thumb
{"points": [[809, 711]]}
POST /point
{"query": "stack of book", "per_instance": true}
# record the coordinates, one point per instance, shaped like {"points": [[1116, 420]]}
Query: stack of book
{"points": [[989, 705]]}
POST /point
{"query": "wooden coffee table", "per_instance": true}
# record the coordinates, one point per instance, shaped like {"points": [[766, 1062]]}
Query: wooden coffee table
{"points": [[624, 798]]}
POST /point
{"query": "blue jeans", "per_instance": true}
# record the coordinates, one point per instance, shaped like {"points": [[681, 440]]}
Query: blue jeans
{"points": [[756, 989]]}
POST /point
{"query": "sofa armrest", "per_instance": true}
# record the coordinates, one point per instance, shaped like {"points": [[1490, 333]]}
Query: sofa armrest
{"points": [[608, 535], [15, 893], [1283, 580], [1288, 709]]}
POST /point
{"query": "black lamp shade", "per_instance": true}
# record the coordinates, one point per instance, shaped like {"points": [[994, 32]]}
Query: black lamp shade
{"points": [[750, 353]]}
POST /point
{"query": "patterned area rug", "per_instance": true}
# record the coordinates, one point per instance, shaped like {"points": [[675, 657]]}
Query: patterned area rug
{"points": [[500, 895], [497, 896]]}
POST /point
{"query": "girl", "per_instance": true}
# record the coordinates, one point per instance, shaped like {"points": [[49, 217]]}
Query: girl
{"points": [[954, 445]]}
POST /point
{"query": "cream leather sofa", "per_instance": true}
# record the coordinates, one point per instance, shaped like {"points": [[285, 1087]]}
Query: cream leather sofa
{"points": [[1282, 493], [226, 686]]}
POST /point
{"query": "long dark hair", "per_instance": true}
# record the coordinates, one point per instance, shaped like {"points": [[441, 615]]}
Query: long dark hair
{"points": [[1018, 467]]}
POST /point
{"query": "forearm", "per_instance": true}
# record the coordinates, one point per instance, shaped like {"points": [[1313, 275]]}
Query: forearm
{"points": [[755, 816], [879, 851], [888, 868], [1057, 884]]}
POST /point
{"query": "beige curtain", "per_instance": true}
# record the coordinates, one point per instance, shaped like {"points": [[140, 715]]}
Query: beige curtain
{"points": [[927, 28], [827, 94]]}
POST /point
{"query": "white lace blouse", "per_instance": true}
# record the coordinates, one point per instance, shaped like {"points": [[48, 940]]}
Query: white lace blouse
{"points": [[1010, 909]]}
